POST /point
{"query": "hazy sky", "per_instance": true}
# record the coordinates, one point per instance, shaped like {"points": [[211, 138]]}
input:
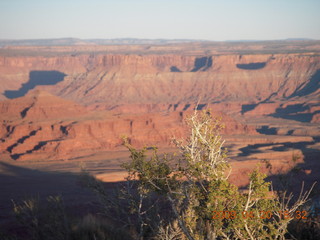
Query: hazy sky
{"points": [[172, 19]]}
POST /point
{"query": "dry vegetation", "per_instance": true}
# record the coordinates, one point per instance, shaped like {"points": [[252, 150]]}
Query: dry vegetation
{"points": [[189, 199]]}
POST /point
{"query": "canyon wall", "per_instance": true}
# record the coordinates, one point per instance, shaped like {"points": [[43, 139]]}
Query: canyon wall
{"points": [[77, 104], [121, 79]]}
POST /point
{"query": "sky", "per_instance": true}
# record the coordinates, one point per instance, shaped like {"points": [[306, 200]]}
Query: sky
{"points": [[160, 19]]}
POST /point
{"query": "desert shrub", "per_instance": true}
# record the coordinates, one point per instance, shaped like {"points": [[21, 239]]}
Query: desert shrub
{"points": [[48, 220], [129, 208], [308, 229], [43, 222], [93, 228], [190, 196], [203, 201], [173, 197]]}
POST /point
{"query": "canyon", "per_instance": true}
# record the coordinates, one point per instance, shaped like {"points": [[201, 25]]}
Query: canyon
{"points": [[65, 106], [71, 104]]}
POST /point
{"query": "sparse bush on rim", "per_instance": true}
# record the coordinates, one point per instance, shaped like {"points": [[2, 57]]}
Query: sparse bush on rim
{"points": [[176, 197], [200, 202]]}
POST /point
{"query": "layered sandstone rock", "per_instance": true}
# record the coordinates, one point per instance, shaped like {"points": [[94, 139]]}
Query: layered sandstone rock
{"points": [[39, 105], [153, 79], [145, 96], [43, 126]]}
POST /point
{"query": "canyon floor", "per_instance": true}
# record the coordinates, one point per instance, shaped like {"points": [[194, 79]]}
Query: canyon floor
{"points": [[64, 108]]}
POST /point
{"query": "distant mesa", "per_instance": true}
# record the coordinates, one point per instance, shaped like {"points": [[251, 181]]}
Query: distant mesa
{"points": [[36, 78], [252, 66]]}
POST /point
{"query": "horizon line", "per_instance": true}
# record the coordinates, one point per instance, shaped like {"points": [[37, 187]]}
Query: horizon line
{"points": [[159, 39]]}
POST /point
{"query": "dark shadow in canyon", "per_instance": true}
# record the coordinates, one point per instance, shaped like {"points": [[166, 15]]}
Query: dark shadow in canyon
{"points": [[267, 130], [16, 156], [312, 86], [297, 112], [306, 172], [36, 78], [186, 107], [202, 64], [252, 66], [303, 173], [300, 117], [201, 106], [175, 69], [255, 148], [21, 140], [247, 107]]}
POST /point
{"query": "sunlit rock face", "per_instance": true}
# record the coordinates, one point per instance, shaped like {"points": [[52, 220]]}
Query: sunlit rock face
{"points": [[64, 102]]}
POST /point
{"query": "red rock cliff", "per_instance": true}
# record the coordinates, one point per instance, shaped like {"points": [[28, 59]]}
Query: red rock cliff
{"points": [[118, 79]]}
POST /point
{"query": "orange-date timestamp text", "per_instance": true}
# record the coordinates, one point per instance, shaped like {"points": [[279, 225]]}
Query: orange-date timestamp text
{"points": [[258, 214]]}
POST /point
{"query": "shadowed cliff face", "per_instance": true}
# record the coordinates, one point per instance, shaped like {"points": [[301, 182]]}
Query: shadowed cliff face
{"points": [[202, 64], [36, 78], [311, 87]]}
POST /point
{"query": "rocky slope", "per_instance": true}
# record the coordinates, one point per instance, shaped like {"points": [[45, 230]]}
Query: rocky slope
{"points": [[40, 125]]}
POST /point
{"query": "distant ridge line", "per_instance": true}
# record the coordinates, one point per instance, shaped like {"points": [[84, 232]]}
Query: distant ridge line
{"points": [[124, 41]]}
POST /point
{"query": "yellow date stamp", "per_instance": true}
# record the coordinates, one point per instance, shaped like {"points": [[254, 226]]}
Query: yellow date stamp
{"points": [[259, 214]]}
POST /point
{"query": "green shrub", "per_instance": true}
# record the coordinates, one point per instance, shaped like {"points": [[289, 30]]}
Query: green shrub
{"points": [[202, 200]]}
